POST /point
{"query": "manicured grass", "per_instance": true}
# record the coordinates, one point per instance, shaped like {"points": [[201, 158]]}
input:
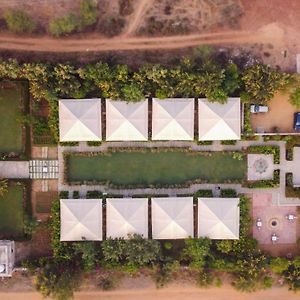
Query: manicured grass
{"points": [[11, 212], [11, 101], [154, 168]]}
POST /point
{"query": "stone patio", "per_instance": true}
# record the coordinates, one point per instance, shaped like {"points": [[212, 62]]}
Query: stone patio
{"points": [[260, 167], [273, 220]]}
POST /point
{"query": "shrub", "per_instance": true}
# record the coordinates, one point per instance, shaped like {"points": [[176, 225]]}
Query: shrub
{"points": [[228, 193], [88, 253], [279, 264], [164, 271], [88, 13], [64, 25], [295, 98], [204, 193], [135, 252], [274, 150], [64, 195], [196, 252], [76, 195], [292, 277], [69, 144], [94, 143], [204, 279], [228, 142], [268, 282], [18, 21], [107, 282], [94, 194]]}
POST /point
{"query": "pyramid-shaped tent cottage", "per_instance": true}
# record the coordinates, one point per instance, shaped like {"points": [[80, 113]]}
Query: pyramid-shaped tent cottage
{"points": [[218, 218], [126, 216], [80, 120], [126, 121], [219, 121], [81, 219], [172, 218], [173, 119]]}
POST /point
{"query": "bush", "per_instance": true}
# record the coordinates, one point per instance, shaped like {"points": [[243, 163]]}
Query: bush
{"points": [[204, 194], [196, 252], [265, 183], [64, 25], [204, 279], [69, 144], [76, 195], [64, 195], [107, 282], [229, 142], [228, 193], [279, 264], [94, 143], [94, 194], [88, 13], [274, 150], [164, 271], [18, 21], [135, 252]]}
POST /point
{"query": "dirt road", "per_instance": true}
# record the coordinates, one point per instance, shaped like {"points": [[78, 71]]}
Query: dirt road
{"points": [[186, 293], [271, 33]]}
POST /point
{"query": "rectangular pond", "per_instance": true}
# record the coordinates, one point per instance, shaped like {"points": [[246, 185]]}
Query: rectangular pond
{"points": [[148, 168]]}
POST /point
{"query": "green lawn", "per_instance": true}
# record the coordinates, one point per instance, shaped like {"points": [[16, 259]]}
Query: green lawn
{"points": [[10, 111], [154, 168], [11, 212]]}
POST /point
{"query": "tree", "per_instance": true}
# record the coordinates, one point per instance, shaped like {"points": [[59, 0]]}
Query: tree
{"points": [[18, 21], [64, 25], [295, 97], [261, 82], [88, 253], [88, 13], [3, 187], [57, 279], [196, 251], [134, 252]]}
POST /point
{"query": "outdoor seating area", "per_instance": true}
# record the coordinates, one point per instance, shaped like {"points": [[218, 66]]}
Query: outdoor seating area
{"points": [[273, 224], [171, 218], [172, 119]]}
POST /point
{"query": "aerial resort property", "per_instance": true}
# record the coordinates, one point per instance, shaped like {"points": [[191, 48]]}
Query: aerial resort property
{"points": [[174, 165]]}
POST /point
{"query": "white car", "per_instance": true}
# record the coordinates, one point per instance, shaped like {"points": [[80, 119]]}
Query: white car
{"points": [[254, 108]]}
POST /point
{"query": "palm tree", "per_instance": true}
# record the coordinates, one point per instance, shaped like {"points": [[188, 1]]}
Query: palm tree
{"points": [[3, 187]]}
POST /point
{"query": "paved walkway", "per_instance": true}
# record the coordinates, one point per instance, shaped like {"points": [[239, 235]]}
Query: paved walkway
{"points": [[278, 194], [14, 169]]}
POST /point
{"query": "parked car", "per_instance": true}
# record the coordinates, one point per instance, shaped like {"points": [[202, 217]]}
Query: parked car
{"points": [[254, 108], [297, 121]]}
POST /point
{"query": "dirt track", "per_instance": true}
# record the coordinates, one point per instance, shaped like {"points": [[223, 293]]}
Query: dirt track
{"points": [[271, 33], [187, 293]]}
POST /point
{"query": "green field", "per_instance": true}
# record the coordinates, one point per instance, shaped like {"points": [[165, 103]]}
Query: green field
{"points": [[154, 168], [11, 102], [11, 212]]}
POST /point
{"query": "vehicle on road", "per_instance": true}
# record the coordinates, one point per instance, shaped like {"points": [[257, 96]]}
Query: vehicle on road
{"points": [[297, 121]]}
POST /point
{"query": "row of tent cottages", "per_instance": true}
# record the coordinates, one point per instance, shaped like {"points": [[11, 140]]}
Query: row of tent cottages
{"points": [[171, 119], [169, 218]]}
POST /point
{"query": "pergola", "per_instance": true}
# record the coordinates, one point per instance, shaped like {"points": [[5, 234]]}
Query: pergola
{"points": [[126, 216], [172, 218], [218, 218], [126, 121], [81, 219], [219, 121], [173, 119], [80, 120]]}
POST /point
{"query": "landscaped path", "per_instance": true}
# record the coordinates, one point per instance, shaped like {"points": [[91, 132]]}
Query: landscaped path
{"points": [[14, 169], [278, 193]]}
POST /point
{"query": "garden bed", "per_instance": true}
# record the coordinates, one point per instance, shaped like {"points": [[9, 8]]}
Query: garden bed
{"points": [[153, 168], [14, 104], [274, 150], [14, 208]]}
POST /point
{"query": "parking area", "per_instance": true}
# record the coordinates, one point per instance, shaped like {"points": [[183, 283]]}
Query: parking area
{"points": [[273, 221], [279, 118]]}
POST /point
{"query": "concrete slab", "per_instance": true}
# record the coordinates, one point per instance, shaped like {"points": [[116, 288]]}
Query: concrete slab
{"points": [[14, 169], [260, 166]]}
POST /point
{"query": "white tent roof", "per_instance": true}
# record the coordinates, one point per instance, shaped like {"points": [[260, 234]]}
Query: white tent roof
{"points": [[81, 219], [219, 121], [126, 121], [173, 119], [80, 120], [218, 218], [172, 218], [126, 216]]}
